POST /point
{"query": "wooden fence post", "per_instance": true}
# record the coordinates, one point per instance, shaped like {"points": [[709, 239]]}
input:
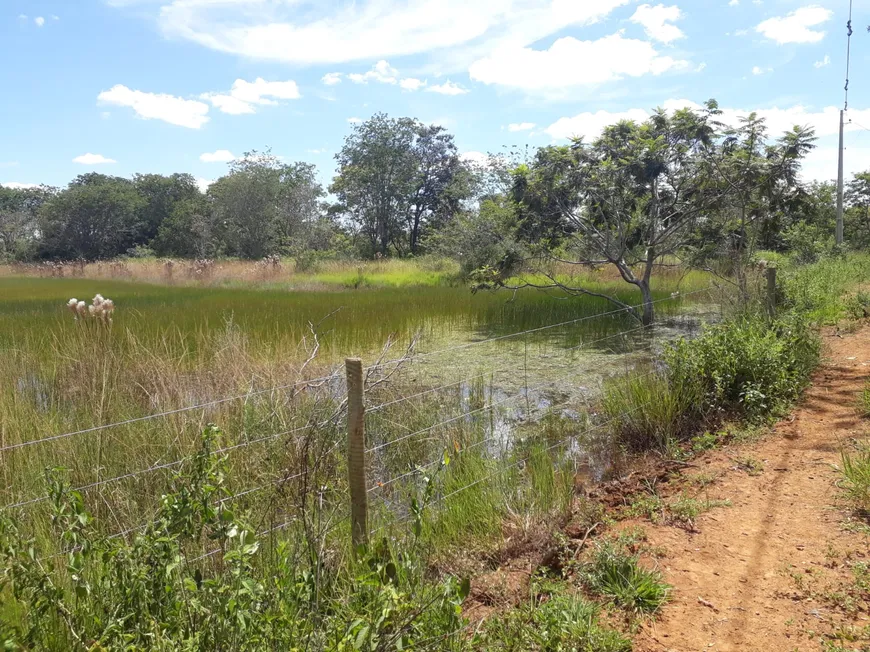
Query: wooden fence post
{"points": [[356, 452], [770, 272]]}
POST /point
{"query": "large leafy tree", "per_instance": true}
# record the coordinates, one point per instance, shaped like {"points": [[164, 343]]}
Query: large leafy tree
{"points": [[19, 227], [396, 178], [96, 216], [628, 199], [264, 206], [161, 194]]}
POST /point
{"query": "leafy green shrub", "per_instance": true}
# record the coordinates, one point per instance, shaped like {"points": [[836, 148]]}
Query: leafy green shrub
{"points": [[159, 592], [747, 366], [617, 575]]}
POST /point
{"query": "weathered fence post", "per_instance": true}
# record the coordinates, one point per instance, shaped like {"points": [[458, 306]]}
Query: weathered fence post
{"points": [[770, 272], [356, 452]]}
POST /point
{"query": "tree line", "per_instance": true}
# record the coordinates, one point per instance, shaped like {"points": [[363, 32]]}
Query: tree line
{"points": [[681, 185]]}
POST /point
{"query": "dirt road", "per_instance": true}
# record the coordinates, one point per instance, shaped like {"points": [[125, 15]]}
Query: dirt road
{"points": [[780, 569]]}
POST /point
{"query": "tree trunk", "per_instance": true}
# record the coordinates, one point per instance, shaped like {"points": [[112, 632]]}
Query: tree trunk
{"points": [[648, 314]]}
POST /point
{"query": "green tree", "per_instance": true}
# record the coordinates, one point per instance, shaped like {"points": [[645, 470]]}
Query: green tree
{"points": [[263, 205], [857, 216], [630, 198], [398, 177], [188, 231], [19, 227], [161, 194], [96, 216]]}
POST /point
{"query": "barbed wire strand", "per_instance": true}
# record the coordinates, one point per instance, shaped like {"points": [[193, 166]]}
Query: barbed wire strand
{"points": [[156, 415]]}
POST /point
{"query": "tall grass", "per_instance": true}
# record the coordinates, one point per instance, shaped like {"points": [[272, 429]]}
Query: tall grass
{"points": [[856, 478]]}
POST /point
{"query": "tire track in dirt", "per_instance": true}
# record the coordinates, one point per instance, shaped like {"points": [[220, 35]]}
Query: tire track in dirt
{"points": [[765, 572]]}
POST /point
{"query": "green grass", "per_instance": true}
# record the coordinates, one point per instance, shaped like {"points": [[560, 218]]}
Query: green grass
{"points": [[618, 576], [824, 291], [856, 478]]}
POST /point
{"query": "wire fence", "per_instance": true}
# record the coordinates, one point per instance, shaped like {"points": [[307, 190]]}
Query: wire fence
{"points": [[374, 448]]}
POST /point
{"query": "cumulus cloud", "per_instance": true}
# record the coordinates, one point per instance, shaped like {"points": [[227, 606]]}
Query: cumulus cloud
{"points": [[245, 96], [331, 78], [796, 26], [757, 70], [203, 183], [448, 88], [824, 62], [381, 72], [411, 83], [521, 126], [570, 62], [18, 185], [219, 156], [316, 32], [590, 125], [39, 20], [93, 159], [158, 106], [824, 121], [656, 22]]}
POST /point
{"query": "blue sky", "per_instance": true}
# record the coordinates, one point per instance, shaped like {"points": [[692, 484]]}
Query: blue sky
{"points": [[126, 86]]}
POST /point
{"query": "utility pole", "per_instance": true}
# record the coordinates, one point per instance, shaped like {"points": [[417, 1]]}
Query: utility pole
{"points": [[840, 180], [839, 231]]}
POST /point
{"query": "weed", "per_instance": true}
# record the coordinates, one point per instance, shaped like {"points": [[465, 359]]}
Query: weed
{"points": [[618, 576], [864, 400], [749, 464], [856, 478]]}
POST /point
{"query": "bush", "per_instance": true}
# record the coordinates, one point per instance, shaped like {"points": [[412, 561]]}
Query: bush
{"points": [[746, 367]]}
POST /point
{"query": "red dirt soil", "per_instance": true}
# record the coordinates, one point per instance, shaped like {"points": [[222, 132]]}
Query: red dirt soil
{"points": [[774, 571]]}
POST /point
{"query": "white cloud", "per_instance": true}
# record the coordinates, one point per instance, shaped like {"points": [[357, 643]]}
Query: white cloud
{"points": [[656, 22], [701, 67], [381, 72], [322, 150], [219, 156], [22, 16], [741, 32], [17, 185], [203, 183], [331, 78], [245, 96], [411, 83], [53, 17], [733, 3], [354, 120], [795, 28], [559, 67], [757, 70], [825, 121], [477, 158], [158, 106], [824, 62], [39, 20], [590, 125], [317, 32], [447, 88], [93, 159], [521, 126]]}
